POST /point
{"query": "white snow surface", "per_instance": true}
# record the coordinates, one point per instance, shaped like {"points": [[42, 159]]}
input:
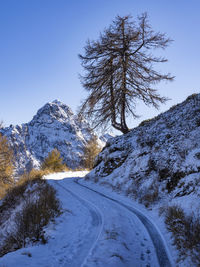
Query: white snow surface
{"points": [[93, 230]]}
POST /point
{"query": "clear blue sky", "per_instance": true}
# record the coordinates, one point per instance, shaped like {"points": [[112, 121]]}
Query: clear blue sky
{"points": [[40, 41]]}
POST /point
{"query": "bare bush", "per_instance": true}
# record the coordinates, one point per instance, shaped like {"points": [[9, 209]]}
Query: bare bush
{"points": [[3, 189], [34, 174], [186, 232], [40, 206], [150, 195]]}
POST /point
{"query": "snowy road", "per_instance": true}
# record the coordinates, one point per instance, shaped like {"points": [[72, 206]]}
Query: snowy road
{"points": [[95, 229], [158, 242], [94, 233]]}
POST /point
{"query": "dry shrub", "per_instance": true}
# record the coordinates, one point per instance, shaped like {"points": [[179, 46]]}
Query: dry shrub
{"points": [[186, 232], [111, 234], [3, 189], [118, 187], [15, 192], [35, 214], [174, 180], [32, 175], [150, 196]]}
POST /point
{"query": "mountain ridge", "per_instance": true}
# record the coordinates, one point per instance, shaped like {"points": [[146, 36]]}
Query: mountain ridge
{"points": [[53, 126]]}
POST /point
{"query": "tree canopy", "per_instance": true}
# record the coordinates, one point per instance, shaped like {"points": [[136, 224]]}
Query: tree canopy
{"points": [[119, 70]]}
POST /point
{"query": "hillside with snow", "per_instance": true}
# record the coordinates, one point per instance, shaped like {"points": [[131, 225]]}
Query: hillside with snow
{"points": [[150, 177], [158, 155], [54, 126], [158, 164]]}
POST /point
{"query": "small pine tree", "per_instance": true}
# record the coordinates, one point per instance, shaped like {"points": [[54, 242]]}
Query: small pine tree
{"points": [[53, 162], [6, 161], [91, 150]]}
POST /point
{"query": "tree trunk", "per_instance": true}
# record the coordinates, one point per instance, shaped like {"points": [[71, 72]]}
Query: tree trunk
{"points": [[123, 96]]}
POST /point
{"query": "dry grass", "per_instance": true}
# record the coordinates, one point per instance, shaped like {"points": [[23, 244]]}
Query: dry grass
{"points": [[150, 196], [13, 191], [32, 175], [3, 189], [111, 234], [40, 206], [186, 232]]}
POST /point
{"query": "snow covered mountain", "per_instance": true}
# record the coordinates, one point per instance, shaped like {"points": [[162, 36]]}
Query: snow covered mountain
{"points": [[54, 126]]}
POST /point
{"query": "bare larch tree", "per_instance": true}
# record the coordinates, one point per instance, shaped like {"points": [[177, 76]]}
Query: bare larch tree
{"points": [[119, 69]]}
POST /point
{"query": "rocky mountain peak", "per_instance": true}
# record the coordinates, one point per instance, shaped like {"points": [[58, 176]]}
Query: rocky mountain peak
{"points": [[53, 126], [55, 110]]}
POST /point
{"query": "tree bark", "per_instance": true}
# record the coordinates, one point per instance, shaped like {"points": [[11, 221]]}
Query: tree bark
{"points": [[123, 95]]}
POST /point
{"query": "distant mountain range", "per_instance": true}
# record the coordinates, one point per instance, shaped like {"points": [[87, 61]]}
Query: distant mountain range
{"points": [[54, 126]]}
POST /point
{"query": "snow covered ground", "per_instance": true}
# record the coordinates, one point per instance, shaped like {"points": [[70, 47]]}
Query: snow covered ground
{"points": [[96, 229]]}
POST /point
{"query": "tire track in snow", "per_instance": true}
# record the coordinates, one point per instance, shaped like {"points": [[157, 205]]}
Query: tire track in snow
{"points": [[155, 235], [97, 220]]}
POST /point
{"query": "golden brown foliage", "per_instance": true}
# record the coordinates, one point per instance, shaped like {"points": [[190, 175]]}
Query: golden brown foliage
{"points": [[3, 189], [6, 158], [90, 152], [32, 175], [53, 162], [36, 213], [6, 166]]}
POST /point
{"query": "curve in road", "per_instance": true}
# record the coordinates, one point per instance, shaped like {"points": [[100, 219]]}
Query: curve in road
{"points": [[156, 237]]}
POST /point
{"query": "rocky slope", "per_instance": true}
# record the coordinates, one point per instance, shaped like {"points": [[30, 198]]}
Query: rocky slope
{"points": [[159, 153], [54, 126], [158, 164]]}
